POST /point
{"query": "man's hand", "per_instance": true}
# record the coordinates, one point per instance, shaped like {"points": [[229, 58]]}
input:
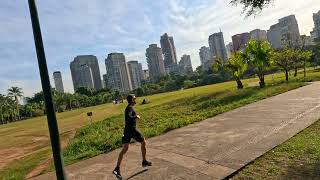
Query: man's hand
{"points": [[138, 116]]}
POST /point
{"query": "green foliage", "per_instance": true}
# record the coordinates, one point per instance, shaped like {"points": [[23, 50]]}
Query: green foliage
{"points": [[251, 6], [289, 59], [237, 67], [258, 55], [188, 84]]}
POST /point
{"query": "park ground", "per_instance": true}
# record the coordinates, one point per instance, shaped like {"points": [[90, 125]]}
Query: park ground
{"points": [[24, 146]]}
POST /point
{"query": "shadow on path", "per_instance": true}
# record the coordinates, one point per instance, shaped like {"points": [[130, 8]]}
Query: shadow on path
{"points": [[136, 174]]}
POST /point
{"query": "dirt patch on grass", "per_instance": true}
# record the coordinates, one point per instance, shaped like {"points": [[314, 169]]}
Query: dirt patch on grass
{"points": [[11, 154], [67, 136]]}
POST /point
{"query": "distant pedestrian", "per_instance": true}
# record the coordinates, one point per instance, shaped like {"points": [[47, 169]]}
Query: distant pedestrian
{"points": [[130, 131]]}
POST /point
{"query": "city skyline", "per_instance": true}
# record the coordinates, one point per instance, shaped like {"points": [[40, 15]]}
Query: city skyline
{"points": [[187, 22]]}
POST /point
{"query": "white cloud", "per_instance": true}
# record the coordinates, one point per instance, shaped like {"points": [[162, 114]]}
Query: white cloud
{"points": [[100, 27]]}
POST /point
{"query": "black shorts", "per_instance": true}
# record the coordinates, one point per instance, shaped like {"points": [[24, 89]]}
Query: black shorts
{"points": [[132, 133]]}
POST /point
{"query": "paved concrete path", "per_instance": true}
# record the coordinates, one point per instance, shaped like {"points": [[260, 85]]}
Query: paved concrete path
{"points": [[213, 148]]}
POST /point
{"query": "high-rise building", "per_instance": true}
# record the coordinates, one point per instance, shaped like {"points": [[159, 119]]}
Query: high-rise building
{"points": [[316, 20], [136, 74], [229, 48], [258, 34], [290, 34], [240, 41], [155, 62], [145, 74], [169, 51], [58, 81], [274, 36], [285, 33], [105, 81], [76, 67], [185, 65], [313, 35], [206, 57], [118, 77], [85, 76], [217, 46], [306, 41]]}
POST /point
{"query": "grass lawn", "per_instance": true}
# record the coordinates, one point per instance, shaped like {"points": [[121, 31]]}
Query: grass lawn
{"points": [[297, 158], [28, 140]]}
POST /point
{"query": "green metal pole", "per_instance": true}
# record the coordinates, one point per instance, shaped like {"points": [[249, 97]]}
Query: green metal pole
{"points": [[46, 87]]}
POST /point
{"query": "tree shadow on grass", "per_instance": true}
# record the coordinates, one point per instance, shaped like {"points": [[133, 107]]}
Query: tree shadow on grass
{"points": [[303, 169]]}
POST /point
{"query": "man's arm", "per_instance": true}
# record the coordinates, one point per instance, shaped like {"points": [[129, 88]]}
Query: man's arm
{"points": [[133, 114]]}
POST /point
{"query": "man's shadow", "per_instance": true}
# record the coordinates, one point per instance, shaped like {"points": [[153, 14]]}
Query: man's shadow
{"points": [[136, 174]]}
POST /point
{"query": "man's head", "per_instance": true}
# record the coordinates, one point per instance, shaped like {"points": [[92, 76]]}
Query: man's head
{"points": [[131, 98]]}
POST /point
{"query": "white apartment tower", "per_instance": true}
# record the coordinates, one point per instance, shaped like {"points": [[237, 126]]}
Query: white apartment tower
{"points": [[217, 45], [58, 81], [155, 62], [77, 67], [206, 57], [136, 73], [117, 77]]}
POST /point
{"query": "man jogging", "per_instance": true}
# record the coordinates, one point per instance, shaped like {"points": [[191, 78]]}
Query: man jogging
{"points": [[130, 131]]}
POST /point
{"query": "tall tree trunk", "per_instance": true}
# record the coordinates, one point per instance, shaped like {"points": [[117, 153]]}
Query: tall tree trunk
{"points": [[287, 75], [304, 69], [295, 71], [262, 83], [239, 83]]}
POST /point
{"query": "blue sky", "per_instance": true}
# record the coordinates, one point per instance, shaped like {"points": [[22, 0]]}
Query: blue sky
{"points": [[99, 27]]}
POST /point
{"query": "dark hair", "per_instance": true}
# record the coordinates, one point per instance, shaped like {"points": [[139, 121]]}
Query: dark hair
{"points": [[130, 98]]}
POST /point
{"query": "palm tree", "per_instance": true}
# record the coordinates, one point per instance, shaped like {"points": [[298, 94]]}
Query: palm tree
{"points": [[16, 93], [258, 54], [3, 103], [237, 67]]}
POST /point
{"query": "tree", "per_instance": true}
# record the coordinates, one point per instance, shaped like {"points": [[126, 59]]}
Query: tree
{"points": [[284, 59], [188, 84], [237, 67], [16, 93], [219, 68], [304, 56], [251, 6], [3, 103], [258, 54]]}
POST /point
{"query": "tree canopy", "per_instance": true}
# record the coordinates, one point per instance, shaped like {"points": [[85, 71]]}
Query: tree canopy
{"points": [[250, 7]]}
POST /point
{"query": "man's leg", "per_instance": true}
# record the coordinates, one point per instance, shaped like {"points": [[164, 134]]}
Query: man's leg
{"points": [[145, 162], [125, 148], [143, 150]]}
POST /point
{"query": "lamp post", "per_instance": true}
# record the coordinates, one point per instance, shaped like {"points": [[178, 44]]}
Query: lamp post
{"points": [[46, 87]]}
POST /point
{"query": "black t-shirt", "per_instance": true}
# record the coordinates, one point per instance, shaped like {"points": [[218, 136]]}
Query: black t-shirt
{"points": [[130, 117]]}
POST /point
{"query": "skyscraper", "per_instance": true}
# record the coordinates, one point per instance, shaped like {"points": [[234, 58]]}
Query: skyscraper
{"points": [[258, 34], [229, 48], [217, 45], [240, 40], [206, 57], [169, 51], [145, 74], [118, 77], [58, 81], [136, 74], [155, 62], [77, 68], [185, 65], [86, 77], [285, 33], [274, 36], [290, 34], [316, 20]]}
